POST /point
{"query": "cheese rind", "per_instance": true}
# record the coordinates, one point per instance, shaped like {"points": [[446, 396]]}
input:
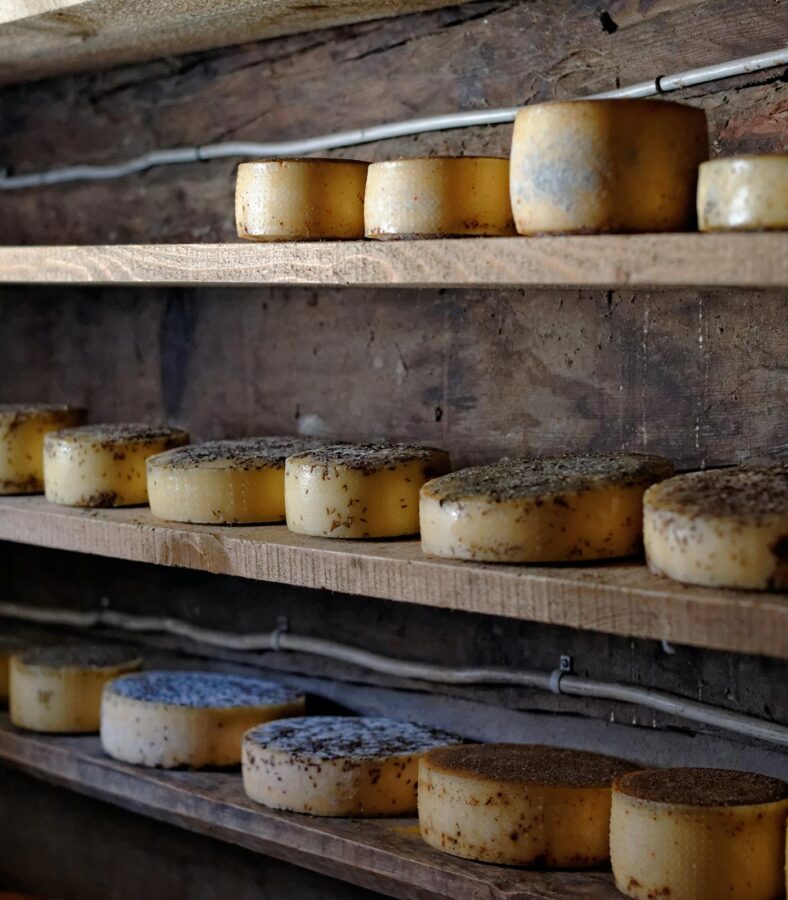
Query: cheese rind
{"points": [[8, 647], [337, 765], [192, 719], [595, 166], [300, 199], [744, 193], [557, 509], [104, 465], [359, 490]]}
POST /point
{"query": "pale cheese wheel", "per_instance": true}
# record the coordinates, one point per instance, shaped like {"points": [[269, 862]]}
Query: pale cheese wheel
{"points": [[744, 193], [190, 719], [698, 834], [518, 804], [104, 465], [594, 166], [58, 688], [22, 430], [359, 490], [556, 509], [720, 527], [438, 196], [338, 765], [300, 199]]}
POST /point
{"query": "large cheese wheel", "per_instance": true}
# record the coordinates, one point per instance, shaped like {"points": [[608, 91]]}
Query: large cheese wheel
{"points": [[104, 465], [193, 719], [744, 193], [518, 804], [359, 490], [591, 166], [557, 509], [721, 527], [698, 834], [223, 482], [438, 196], [338, 765], [300, 199], [22, 430]]}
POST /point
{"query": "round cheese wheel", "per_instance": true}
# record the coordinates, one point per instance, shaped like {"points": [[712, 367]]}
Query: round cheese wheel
{"points": [[300, 199], [593, 166], [104, 465], [518, 804], [720, 527], [557, 509], [744, 193], [703, 834], [438, 196], [192, 719], [337, 765]]}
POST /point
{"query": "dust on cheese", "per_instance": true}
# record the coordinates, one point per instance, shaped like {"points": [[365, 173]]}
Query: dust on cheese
{"points": [[744, 193]]}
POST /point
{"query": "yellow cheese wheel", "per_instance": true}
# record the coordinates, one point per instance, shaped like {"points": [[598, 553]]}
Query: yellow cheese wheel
{"points": [[744, 193], [300, 199], [593, 166], [439, 196]]}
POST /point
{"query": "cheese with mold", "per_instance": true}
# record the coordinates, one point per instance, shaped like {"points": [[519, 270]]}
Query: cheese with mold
{"points": [[744, 193]]}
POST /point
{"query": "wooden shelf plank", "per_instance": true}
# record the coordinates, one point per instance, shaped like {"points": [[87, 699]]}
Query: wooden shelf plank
{"points": [[666, 260], [617, 598]]}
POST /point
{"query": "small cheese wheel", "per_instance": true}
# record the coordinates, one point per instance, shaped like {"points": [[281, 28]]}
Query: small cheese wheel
{"points": [[518, 804], [744, 193], [722, 528], [192, 719], [359, 490], [223, 482], [58, 688], [337, 765], [558, 509], [300, 199], [699, 834], [22, 430], [104, 465], [593, 166], [438, 196]]}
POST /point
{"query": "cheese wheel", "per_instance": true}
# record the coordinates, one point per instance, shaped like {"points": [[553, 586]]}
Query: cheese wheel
{"points": [[438, 196], [558, 509], [22, 430], [722, 528], [300, 199], [744, 193], [104, 465], [337, 765], [593, 166], [223, 482], [698, 834], [359, 490], [8, 646], [192, 719], [518, 804], [58, 688]]}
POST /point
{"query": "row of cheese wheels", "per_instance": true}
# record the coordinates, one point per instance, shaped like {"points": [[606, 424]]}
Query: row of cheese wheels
{"points": [[579, 167], [726, 527], [690, 834]]}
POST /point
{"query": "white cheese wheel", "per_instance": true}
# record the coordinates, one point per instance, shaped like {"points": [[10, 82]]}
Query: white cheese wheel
{"points": [[722, 528], [359, 490], [593, 166], [104, 465], [557, 509], [223, 482], [22, 430], [193, 719], [58, 688], [518, 804], [438, 196], [698, 834], [300, 199], [337, 765], [744, 193]]}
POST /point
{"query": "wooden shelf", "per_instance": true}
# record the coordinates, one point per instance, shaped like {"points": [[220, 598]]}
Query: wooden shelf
{"points": [[618, 598], [381, 854], [667, 260]]}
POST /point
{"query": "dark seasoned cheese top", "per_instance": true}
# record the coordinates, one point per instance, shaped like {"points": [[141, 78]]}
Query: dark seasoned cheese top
{"points": [[108, 435], [204, 690], [372, 457], [246, 453], [13, 414], [702, 787], [79, 656]]}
